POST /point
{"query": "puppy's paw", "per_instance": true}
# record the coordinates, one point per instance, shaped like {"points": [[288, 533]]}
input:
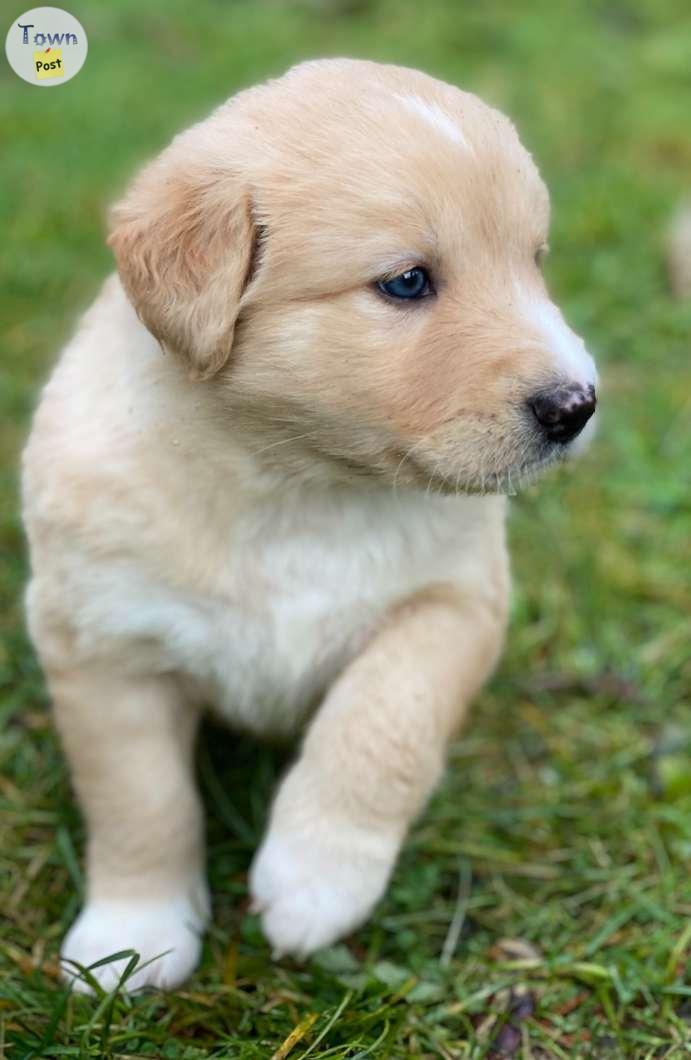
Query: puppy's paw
{"points": [[314, 885], [165, 934]]}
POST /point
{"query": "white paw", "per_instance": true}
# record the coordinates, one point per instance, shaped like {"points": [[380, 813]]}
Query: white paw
{"points": [[314, 885], [165, 933]]}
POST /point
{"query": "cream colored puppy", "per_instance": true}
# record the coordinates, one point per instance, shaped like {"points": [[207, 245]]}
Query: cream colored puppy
{"points": [[266, 476]]}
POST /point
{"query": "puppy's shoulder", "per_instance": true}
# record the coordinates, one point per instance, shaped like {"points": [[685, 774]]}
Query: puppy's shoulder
{"points": [[90, 426]]}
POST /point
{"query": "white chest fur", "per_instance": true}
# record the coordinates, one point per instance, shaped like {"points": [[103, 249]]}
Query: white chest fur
{"points": [[302, 584], [307, 582]]}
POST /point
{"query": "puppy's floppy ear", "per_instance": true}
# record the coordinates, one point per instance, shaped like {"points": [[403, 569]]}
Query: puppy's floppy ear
{"points": [[183, 239]]}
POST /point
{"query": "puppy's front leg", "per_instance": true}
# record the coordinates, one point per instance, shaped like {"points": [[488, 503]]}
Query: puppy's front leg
{"points": [[371, 757], [130, 743]]}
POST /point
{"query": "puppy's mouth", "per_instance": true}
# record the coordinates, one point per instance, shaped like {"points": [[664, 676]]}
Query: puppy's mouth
{"points": [[490, 462]]}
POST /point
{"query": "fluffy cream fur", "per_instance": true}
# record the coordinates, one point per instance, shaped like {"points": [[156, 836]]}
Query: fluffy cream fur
{"points": [[254, 482]]}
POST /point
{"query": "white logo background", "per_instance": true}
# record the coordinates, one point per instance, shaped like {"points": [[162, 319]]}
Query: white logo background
{"points": [[52, 27]]}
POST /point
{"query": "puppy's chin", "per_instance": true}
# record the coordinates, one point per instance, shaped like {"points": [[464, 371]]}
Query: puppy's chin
{"points": [[453, 468], [449, 482], [511, 480]]}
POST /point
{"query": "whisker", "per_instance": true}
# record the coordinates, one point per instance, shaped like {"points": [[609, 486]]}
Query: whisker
{"points": [[284, 441], [403, 459]]}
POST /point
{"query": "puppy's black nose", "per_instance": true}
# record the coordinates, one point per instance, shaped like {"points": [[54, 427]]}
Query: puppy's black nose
{"points": [[564, 411]]}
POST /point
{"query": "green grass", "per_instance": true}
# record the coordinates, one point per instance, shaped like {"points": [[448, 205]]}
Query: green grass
{"points": [[564, 822]]}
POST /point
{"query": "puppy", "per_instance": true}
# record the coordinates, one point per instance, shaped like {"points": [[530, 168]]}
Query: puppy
{"points": [[267, 476]]}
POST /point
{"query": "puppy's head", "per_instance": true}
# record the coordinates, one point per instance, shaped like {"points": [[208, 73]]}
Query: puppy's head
{"points": [[353, 253]]}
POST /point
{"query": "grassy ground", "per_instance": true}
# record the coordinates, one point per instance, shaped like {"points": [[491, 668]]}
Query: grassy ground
{"points": [[542, 906]]}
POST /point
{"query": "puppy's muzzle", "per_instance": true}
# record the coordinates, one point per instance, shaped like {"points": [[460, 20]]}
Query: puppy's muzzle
{"points": [[563, 411]]}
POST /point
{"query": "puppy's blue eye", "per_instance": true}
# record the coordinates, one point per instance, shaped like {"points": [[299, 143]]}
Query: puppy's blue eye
{"points": [[414, 283]]}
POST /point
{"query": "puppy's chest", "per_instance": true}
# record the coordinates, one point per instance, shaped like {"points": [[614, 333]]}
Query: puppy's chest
{"points": [[301, 591]]}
